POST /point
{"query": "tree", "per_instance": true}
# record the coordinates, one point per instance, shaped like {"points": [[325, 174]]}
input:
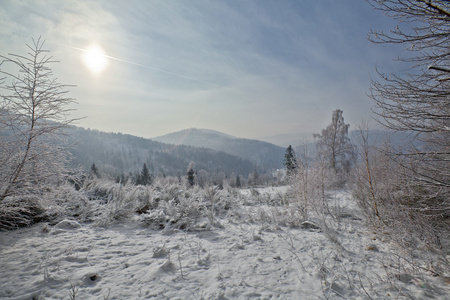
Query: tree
{"points": [[191, 174], [417, 100], [145, 178], [191, 177], [333, 145], [290, 161], [33, 115], [238, 181], [94, 170], [254, 177]]}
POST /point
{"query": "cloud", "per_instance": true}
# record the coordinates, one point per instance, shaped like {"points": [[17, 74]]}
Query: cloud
{"points": [[242, 67]]}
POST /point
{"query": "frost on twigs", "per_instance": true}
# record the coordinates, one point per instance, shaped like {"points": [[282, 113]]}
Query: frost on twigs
{"points": [[20, 211], [34, 110]]}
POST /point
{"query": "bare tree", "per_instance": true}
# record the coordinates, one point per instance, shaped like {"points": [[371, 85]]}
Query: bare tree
{"points": [[33, 116], [365, 181], [417, 101], [333, 145]]}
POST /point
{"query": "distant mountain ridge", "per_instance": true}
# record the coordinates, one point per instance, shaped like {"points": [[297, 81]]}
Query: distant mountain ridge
{"points": [[117, 153], [262, 154], [194, 137]]}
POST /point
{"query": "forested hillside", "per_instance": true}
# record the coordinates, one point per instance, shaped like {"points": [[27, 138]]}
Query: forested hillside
{"points": [[116, 153], [262, 154]]}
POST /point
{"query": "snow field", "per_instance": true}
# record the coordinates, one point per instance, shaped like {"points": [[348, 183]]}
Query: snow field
{"points": [[253, 249]]}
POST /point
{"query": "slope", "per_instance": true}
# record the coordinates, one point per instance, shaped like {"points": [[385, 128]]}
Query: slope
{"points": [[264, 155], [116, 153]]}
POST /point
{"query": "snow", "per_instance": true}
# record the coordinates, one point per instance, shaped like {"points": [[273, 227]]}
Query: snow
{"points": [[243, 255]]}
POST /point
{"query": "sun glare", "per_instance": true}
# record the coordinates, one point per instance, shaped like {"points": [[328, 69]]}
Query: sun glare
{"points": [[95, 59]]}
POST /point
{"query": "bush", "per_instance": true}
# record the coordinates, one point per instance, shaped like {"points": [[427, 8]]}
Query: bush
{"points": [[21, 211], [412, 212]]}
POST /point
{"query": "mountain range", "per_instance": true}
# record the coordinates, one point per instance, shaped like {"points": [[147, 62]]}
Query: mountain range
{"points": [[212, 151], [263, 154], [171, 154]]}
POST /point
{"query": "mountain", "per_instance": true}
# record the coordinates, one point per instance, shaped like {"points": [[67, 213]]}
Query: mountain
{"points": [[284, 140], [263, 154], [117, 153]]}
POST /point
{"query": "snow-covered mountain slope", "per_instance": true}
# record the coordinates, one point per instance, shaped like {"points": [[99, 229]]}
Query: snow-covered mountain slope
{"points": [[116, 153], [263, 154]]}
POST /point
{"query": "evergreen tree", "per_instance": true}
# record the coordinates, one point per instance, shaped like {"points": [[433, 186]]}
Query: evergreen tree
{"points": [[255, 177], [238, 181], [290, 161], [123, 179], [191, 176], [145, 178], [94, 171], [136, 178]]}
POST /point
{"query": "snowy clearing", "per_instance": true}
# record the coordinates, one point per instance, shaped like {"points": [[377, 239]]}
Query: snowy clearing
{"points": [[244, 255]]}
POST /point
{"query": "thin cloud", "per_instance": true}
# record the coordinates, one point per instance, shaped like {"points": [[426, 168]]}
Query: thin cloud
{"points": [[238, 66]]}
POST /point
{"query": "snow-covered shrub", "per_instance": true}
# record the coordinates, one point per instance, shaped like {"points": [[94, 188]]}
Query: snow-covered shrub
{"points": [[99, 189], [160, 205], [187, 209], [218, 201], [182, 214], [410, 211], [20, 211], [52, 205], [121, 204]]}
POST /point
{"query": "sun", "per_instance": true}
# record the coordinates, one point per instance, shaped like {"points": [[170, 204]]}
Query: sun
{"points": [[95, 59]]}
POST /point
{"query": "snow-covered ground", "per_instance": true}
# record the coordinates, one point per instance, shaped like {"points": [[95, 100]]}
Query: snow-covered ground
{"points": [[246, 254]]}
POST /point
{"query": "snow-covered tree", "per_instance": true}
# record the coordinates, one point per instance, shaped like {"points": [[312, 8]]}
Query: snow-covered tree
{"points": [[417, 100], [290, 161], [333, 144], [34, 111]]}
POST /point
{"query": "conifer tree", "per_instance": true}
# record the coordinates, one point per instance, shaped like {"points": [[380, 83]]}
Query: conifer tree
{"points": [[145, 178], [94, 170], [191, 176], [290, 161], [238, 181]]}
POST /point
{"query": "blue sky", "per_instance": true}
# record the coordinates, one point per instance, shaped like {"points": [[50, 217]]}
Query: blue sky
{"points": [[247, 68]]}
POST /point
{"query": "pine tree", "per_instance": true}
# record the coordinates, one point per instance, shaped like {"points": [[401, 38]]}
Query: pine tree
{"points": [[290, 161], [255, 177], [191, 176], [238, 181], [94, 171], [145, 178]]}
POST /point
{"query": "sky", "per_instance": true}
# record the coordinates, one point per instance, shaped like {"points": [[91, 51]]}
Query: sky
{"points": [[248, 68]]}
